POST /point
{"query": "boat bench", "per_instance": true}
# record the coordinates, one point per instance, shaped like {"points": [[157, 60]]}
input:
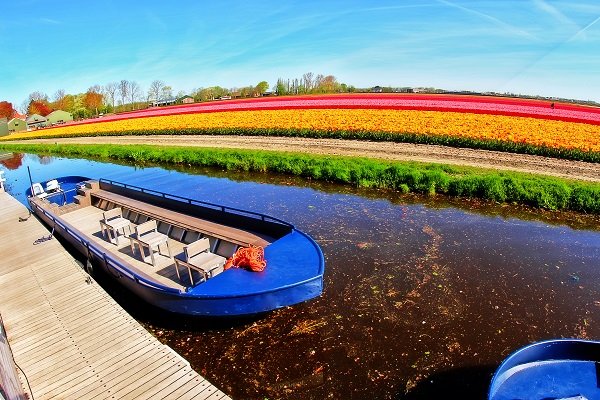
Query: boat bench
{"points": [[197, 256], [182, 227]]}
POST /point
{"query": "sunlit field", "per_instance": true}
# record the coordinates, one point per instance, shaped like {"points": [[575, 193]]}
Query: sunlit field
{"points": [[502, 124]]}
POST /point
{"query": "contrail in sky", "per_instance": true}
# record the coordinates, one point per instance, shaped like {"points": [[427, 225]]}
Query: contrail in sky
{"points": [[583, 29], [495, 21]]}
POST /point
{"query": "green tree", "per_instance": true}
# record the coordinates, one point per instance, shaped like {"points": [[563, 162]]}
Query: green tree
{"points": [[205, 94], [280, 87], [79, 111], [69, 102], [166, 92], [262, 87]]}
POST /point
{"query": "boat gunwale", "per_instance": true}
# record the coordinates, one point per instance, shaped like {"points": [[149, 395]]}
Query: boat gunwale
{"points": [[187, 200], [82, 239], [536, 353]]}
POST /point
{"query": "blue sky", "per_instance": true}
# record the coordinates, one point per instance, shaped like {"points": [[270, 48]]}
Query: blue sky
{"points": [[537, 47]]}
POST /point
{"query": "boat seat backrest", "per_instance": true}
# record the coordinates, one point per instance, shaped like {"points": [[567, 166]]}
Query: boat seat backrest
{"points": [[111, 214], [37, 189], [195, 248], [148, 226], [226, 249]]}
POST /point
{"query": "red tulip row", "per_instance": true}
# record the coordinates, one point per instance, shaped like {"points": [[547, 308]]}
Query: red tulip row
{"points": [[448, 103]]}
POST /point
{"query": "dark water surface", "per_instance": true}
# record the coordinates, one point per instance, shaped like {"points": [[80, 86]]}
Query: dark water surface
{"points": [[423, 297]]}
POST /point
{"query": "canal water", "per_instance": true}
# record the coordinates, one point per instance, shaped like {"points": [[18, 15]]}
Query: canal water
{"points": [[423, 298]]}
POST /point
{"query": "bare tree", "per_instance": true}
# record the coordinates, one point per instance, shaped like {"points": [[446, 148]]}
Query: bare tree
{"points": [[38, 96], [123, 91], [24, 106], [135, 90], [111, 90], [155, 89], [318, 82], [308, 81], [166, 92]]}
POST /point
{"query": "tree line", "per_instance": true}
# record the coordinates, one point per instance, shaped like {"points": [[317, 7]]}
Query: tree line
{"points": [[311, 83], [127, 95]]}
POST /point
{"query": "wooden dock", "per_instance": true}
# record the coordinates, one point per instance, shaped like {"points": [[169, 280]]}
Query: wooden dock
{"points": [[70, 338]]}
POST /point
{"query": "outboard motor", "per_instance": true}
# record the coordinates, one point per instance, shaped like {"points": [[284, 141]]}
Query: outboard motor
{"points": [[52, 186]]}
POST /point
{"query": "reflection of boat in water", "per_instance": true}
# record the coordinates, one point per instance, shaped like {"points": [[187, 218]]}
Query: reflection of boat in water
{"points": [[554, 369], [171, 250]]}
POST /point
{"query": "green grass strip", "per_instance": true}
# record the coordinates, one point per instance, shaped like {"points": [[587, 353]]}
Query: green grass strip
{"points": [[534, 190]]}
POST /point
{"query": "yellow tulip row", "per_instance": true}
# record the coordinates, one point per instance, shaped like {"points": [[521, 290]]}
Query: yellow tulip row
{"points": [[511, 129]]}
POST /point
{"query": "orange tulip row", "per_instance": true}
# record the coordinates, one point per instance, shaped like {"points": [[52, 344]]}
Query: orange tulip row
{"points": [[511, 129]]}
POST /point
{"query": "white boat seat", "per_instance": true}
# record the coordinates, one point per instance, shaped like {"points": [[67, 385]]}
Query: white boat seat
{"points": [[112, 222], [38, 190], [197, 256], [147, 235]]}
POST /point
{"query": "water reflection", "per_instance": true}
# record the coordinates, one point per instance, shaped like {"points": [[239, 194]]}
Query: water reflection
{"points": [[423, 296]]}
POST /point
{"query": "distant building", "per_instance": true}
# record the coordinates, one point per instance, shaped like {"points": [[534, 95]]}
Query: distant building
{"points": [[377, 89], [185, 99], [163, 102], [17, 124], [58, 117], [35, 121], [3, 127]]}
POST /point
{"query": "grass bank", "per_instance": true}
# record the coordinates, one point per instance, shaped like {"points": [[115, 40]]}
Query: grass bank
{"points": [[537, 191]]}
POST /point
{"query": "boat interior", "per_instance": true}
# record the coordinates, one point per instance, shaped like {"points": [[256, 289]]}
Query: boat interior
{"points": [[94, 214]]}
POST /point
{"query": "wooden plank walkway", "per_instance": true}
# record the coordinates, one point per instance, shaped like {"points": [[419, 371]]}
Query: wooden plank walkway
{"points": [[70, 338]]}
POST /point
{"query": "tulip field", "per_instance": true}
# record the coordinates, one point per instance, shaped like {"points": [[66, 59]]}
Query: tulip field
{"points": [[519, 126], [528, 126]]}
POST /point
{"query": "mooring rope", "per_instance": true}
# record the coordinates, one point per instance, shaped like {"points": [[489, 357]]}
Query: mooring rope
{"points": [[45, 238], [251, 258], [21, 219]]}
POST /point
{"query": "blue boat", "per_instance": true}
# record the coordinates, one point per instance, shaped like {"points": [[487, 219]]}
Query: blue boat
{"points": [[171, 251], [550, 370]]}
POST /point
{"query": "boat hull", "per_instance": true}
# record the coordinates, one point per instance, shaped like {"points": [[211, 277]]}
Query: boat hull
{"points": [[235, 293], [553, 369]]}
